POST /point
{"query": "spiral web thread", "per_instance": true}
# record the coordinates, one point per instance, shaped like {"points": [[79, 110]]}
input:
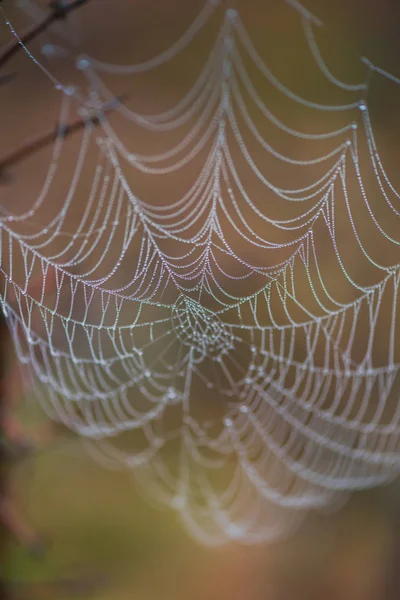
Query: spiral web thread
{"points": [[237, 349]]}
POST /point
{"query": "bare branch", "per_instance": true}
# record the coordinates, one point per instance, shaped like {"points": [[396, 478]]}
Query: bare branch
{"points": [[42, 140], [59, 9], [7, 78]]}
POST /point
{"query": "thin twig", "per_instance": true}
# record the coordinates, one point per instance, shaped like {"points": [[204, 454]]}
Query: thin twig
{"points": [[59, 9], [7, 78], [42, 140]]}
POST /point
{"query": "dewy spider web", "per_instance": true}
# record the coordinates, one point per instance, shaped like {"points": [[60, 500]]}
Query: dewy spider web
{"points": [[235, 345]]}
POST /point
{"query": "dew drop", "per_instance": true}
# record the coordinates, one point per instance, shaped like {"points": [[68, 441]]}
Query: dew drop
{"points": [[82, 64]]}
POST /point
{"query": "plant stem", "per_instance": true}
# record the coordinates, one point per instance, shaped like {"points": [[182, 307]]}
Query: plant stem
{"points": [[59, 9], [42, 140]]}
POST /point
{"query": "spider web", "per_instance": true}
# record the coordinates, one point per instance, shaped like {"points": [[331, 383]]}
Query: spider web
{"points": [[224, 319]]}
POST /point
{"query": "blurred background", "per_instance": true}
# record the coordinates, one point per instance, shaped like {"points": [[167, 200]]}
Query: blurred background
{"points": [[102, 540]]}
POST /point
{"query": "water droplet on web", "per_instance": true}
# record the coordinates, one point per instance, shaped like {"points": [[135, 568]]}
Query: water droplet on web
{"points": [[82, 64], [231, 14], [47, 49]]}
